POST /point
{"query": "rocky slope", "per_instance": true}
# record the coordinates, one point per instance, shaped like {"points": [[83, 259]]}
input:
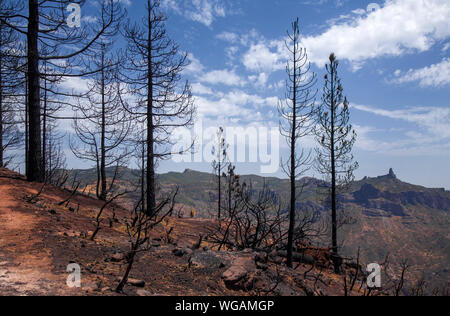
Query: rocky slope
{"points": [[40, 237], [391, 217]]}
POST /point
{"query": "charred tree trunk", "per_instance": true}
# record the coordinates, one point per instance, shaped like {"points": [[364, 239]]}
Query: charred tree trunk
{"points": [[219, 201], [336, 138], [103, 191], [153, 72], [1, 105], [34, 167], [334, 247], [131, 256], [290, 244], [143, 177], [27, 143], [151, 196], [44, 126], [296, 112]]}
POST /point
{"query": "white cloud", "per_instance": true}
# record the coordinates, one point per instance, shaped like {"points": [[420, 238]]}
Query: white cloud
{"points": [[236, 104], [225, 76], [429, 136], [126, 2], [265, 57], [89, 19], [434, 120], [77, 85], [198, 88], [278, 85], [398, 27], [195, 66], [202, 11], [446, 47], [337, 3], [228, 37], [432, 76], [260, 81], [231, 52]]}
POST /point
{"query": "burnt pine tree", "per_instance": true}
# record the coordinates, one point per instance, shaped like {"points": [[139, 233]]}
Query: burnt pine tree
{"points": [[52, 155], [44, 24], [153, 73], [102, 126], [220, 164], [296, 116], [10, 135], [336, 138]]}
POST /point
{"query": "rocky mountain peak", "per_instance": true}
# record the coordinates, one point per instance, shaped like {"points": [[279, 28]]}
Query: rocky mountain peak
{"points": [[392, 174]]}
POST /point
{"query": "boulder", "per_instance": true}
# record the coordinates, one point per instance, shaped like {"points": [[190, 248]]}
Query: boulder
{"points": [[240, 272], [210, 259]]}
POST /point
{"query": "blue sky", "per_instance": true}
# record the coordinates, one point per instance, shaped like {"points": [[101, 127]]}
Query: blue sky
{"points": [[395, 68]]}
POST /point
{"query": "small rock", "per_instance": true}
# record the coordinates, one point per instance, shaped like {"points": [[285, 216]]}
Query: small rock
{"points": [[143, 293], [178, 252], [136, 283], [91, 287], [106, 289], [117, 257]]}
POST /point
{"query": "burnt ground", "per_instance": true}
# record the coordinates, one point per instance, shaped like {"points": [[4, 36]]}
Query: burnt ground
{"points": [[39, 238]]}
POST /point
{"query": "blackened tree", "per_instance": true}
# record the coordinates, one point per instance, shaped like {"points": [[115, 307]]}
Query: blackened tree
{"points": [[50, 38], [153, 73], [336, 138], [102, 126], [296, 117], [10, 135], [220, 164]]}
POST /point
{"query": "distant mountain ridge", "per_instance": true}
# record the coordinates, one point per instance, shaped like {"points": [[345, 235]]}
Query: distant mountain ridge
{"points": [[386, 193]]}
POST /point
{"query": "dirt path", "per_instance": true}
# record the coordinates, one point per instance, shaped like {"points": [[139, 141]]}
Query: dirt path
{"points": [[25, 263]]}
